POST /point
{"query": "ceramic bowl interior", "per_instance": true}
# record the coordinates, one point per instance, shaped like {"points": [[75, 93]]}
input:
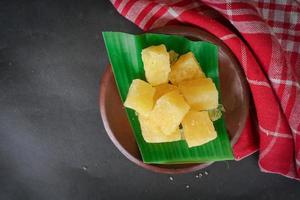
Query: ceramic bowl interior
{"points": [[234, 94]]}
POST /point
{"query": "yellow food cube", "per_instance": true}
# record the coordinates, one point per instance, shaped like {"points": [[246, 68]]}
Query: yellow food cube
{"points": [[185, 68], [173, 56], [163, 89], [198, 129], [140, 96], [201, 94], [169, 111], [156, 61], [152, 133]]}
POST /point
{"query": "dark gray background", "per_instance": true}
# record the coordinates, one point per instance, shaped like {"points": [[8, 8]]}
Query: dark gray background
{"points": [[52, 141]]}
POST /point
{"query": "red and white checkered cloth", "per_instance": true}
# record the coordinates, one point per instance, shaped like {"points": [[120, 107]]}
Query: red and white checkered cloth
{"points": [[267, 45]]}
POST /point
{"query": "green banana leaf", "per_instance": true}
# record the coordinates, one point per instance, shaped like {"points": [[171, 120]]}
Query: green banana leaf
{"points": [[124, 51]]}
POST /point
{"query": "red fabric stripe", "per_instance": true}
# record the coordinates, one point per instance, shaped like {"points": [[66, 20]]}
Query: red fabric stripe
{"points": [[248, 142], [281, 166], [286, 25], [157, 15], [172, 22], [195, 18], [117, 3], [249, 18], [144, 12], [181, 3], [127, 7], [293, 56]]}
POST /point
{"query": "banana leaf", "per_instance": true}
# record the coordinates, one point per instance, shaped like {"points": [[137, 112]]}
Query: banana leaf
{"points": [[124, 51]]}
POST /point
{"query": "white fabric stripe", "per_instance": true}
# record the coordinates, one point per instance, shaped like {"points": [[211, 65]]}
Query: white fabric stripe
{"points": [[252, 27], [268, 148], [176, 11], [281, 30], [233, 11], [164, 19], [294, 117], [276, 61], [260, 83], [113, 1], [122, 5], [291, 46], [228, 9], [244, 12], [226, 37], [295, 131], [158, 6], [286, 93], [236, 12], [286, 82], [173, 12], [275, 134], [279, 16], [297, 160], [265, 13], [136, 9], [294, 17], [221, 2], [149, 15], [281, 2], [271, 144]]}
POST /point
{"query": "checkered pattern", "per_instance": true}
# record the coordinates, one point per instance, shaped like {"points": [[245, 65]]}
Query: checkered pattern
{"points": [[267, 46]]}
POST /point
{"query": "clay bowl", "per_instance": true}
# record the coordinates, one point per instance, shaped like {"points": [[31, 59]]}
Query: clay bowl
{"points": [[234, 94]]}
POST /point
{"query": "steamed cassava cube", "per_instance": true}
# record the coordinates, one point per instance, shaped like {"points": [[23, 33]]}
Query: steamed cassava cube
{"points": [[152, 133], [198, 129], [156, 61], [201, 94], [140, 96], [169, 111], [185, 68], [163, 89]]}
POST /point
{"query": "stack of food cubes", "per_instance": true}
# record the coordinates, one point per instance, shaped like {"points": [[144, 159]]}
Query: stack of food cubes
{"points": [[174, 102]]}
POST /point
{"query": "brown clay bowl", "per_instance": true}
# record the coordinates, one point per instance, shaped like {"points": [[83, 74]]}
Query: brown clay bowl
{"points": [[234, 94]]}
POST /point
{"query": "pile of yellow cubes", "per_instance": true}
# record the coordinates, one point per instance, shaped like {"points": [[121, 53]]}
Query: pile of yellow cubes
{"points": [[174, 102]]}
